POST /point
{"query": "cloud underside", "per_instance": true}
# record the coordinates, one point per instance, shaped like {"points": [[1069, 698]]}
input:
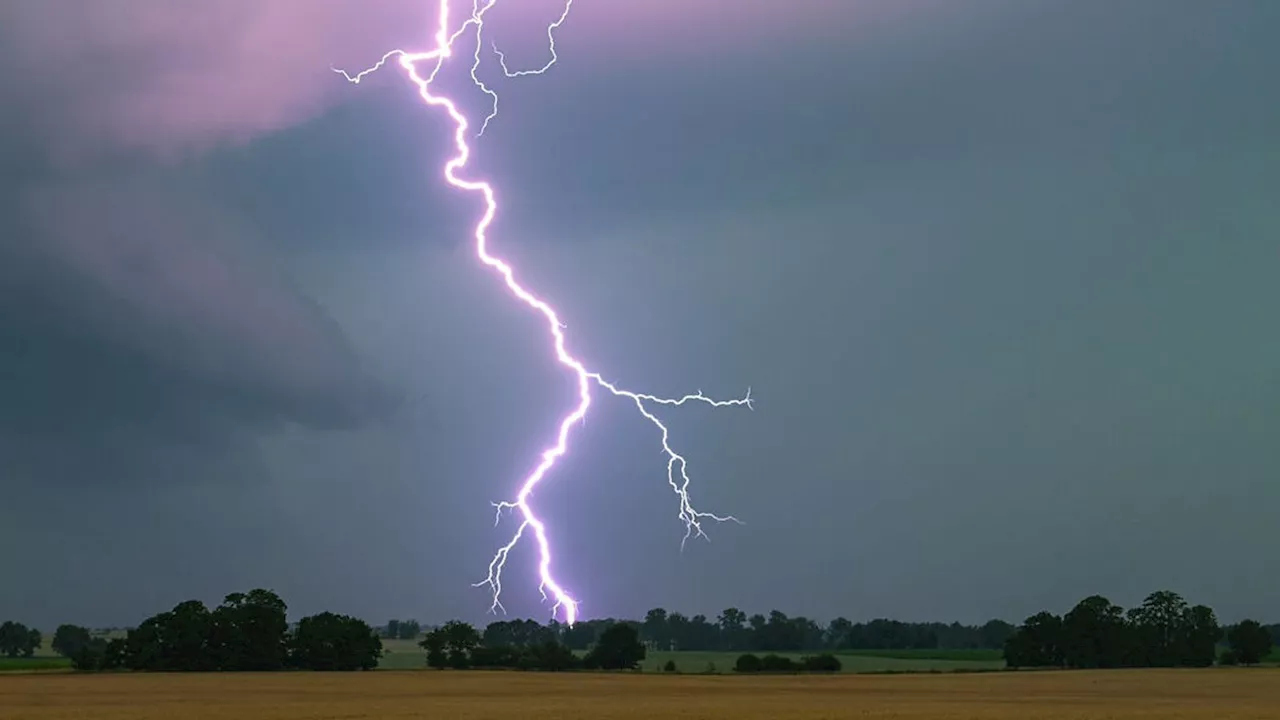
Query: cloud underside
{"points": [[146, 332]]}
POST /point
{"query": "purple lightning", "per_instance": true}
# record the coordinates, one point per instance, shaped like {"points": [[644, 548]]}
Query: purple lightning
{"points": [[677, 467]]}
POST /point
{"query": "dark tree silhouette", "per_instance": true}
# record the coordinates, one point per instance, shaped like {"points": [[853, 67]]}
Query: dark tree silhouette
{"points": [[69, 640], [334, 642], [1038, 643], [18, 640], [1250, 642], [618, 648]]}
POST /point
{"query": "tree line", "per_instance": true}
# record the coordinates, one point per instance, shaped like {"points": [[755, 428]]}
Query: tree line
{"points": [[250, 631], [247, 632], [735, 631], [614, 645], [1164, 631]]}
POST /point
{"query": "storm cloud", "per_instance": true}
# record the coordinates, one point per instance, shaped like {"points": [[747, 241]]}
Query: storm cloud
{"points": [[999, 273]]}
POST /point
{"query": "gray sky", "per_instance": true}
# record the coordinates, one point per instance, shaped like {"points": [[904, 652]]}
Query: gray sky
{"points": [[1000, 274]]}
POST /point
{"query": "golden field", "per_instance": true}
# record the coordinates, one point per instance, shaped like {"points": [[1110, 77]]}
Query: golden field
{"points": [[1212, 694]]}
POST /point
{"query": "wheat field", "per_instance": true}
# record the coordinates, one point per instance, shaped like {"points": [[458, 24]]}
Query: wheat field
{"points": [[1165, 694]]}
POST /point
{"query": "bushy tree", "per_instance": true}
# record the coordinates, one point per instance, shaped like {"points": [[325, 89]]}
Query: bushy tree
{"points": [[1203, 633], [460, 639], [773, 662], [822, 662], [329, 641], [732, 624], [1037, 643], [618, 648], [100, 654], [18, 640], [1250, 642], [1160, 631], [1095, 634], [409, 630], [436, 648], [69, 640], [550, 655], [186, 634], [249, 632]]}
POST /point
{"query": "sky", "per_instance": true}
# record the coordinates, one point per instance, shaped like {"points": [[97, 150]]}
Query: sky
{"points": [[999, 273]]}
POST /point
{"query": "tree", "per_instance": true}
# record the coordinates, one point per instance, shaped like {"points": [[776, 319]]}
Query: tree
{"points": [[1203, 632], [618, 648], [144, 645], [17, 640], [550, 655], [732, 623], [1095, 634], [435, 646], [808, 634], [187, 632], [702, 634], [1250, 641], [1037, 643], [249, 631], [678, 632], [1160, 631], [822, 662], [409, 630], [100, 654], [392, 629], [69, 640], [334, 642], [517, 633], [581, 636], [174, 641], [655, 629], [460, 639], [773, 662], [839, 633], [994, 633]]}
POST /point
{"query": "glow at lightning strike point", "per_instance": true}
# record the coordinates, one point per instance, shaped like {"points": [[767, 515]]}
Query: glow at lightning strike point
{"points": [[676, 464]]}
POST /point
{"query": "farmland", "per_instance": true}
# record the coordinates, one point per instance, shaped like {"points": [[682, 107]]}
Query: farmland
{"points": [[1080, 695], [406, 655]]}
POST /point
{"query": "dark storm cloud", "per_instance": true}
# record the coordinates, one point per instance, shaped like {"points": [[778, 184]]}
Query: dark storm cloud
{"points": [[140, 324], [148, 331], [999, 272]]}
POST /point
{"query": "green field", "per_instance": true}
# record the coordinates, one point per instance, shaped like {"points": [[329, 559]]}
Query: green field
{"points": [[406, 655], [32, 664], [982, 656], [402, 655]]}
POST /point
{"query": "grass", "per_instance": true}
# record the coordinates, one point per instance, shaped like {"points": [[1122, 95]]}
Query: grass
{"points": [[406, 655], [982, 656], [33, 664], [1117, 695], [852, 661]]}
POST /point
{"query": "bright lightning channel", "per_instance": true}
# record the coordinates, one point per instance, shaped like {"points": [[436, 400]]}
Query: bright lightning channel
{"points": [[677, 467]]}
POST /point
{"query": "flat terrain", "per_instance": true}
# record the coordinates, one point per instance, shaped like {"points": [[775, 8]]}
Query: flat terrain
{"points": [[1211, 694], [406, 655]]}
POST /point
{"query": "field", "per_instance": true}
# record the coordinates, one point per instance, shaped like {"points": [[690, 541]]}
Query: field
{"points": [[33, 664], [1167, 694], [405, 655]]}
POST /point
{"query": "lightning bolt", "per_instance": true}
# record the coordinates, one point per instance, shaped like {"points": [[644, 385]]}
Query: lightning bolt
{"points": [[677, 466]]}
